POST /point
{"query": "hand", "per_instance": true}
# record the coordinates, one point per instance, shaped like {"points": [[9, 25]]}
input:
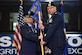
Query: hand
{"points": [[40, 21], [41, 26], [42, 42], [46, 48], [40, 37]]}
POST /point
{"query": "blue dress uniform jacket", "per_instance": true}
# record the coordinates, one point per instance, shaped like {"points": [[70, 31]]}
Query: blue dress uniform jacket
{"points": [[29, 41], [55, 38]]}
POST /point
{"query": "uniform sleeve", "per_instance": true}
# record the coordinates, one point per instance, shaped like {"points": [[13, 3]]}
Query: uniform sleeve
{"points": [[28, 34]]}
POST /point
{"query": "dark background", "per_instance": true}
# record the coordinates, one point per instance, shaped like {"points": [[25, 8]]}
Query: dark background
{"points": [[73, 7]]}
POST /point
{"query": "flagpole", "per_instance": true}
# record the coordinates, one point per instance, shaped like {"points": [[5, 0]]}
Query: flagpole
{"points": [[36, 9], [61, 2], [42, 48], [21, 1]]}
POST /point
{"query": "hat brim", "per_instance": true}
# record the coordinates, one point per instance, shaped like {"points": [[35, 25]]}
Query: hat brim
{"points": [[28, 16]]}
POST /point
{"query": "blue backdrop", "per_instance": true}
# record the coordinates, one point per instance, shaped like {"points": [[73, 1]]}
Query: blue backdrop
{"points": [[74, 44]]}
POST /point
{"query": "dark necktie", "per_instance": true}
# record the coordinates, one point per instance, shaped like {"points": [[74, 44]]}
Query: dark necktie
{"points": [[32, 28]]}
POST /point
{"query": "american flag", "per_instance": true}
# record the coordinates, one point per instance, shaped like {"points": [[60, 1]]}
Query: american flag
{"points": [[17, 34]]}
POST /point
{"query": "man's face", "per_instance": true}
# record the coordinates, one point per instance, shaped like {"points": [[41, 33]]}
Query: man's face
{"points": [[28, 20], [51, 9]]}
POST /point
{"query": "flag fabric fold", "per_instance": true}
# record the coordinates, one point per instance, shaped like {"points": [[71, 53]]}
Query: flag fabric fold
{"points": [[17, 33], [62, 13], [36, 9]]}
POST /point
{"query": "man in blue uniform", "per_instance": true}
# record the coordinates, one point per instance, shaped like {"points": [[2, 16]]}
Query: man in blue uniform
{"points": [[55, 38], [29, 37]]}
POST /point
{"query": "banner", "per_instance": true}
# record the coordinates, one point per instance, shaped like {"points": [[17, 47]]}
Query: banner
{"points": [[74, 44], [6, 45]]}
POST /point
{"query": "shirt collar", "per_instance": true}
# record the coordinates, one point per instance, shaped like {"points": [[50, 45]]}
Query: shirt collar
{"points": [[30, 25]]}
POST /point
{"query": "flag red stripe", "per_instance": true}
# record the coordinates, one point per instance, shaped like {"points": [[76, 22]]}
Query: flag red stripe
{"points": [[17, 37], [16, 42], [18, 30]]}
